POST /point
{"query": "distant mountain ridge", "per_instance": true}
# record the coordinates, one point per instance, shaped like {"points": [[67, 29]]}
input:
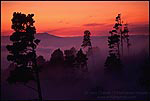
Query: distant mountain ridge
{"points": [[45, 34], [38, 34]]}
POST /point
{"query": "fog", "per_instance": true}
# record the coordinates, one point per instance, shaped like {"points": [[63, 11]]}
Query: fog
{"points": [[63, 84]]}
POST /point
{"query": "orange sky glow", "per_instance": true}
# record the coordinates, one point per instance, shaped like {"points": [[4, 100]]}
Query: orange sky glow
{"points": [[71, 18]]}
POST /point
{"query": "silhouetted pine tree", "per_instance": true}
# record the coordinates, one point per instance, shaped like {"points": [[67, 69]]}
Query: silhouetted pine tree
{"points": [[113, 43], [40, 62], [81, 59], [113, 61], [22, 51], [122, 30], [57, 57], [74, 51], [126, 35], [70, 57], [86, 40]]}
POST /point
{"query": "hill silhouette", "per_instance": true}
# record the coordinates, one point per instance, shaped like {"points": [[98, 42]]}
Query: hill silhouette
{"points": [[47, 35]]}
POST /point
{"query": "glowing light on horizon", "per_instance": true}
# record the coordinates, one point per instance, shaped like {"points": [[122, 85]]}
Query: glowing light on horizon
{"points": [[71, 18]]}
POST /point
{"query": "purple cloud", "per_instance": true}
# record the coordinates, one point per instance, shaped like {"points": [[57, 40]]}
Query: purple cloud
{"points": [[94, 24]]}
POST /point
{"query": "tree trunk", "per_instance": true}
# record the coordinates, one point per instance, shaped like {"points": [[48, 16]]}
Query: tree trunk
{"points": [[38, 86], [37, 79], [121, 45]]}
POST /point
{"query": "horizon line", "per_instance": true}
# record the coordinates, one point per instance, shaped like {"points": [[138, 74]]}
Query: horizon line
{"points": [[79, 36]]}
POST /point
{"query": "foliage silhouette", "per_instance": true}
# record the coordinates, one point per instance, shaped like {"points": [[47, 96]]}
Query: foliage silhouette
{"points": [[81, 60], [40, 62], [22, 51], [70, 57], [113, 41], [86, 40], [57, 57], [119, 33], [122, 30], [21, 74], [113, 61]]}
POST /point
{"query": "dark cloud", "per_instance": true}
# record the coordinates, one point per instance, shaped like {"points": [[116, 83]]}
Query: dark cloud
{"points": [[94, 24], [135, 29], [138, 29]]}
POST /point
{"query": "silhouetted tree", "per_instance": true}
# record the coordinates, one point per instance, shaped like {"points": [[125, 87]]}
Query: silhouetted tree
{"points": [[70, 57], [86, 40], [119, 33], [122, 30], [113, 61], [113, 43], [40, 61], [22, 51], [81, 59], [74, 51], [125, 35], [57, 57]]}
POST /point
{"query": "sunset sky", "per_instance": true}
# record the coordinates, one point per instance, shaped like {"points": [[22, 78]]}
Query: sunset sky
{"points": [[71, 18]]}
